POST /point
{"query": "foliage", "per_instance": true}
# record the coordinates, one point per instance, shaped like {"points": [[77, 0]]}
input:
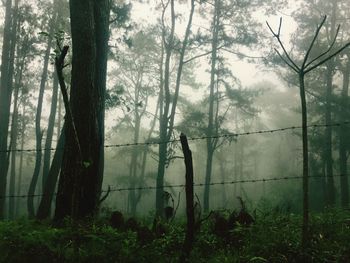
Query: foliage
{"points": [[275, 237]]}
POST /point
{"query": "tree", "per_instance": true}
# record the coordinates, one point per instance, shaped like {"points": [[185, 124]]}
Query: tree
{"points": [[229, 32], [136, 81], [81, 174], [307, 65], [5, 98], [323, 86], [38, 131], [168, 102]]}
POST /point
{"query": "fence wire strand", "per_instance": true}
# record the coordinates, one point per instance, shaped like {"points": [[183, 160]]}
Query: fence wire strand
{"points": [[261, 180], [230, 135]]}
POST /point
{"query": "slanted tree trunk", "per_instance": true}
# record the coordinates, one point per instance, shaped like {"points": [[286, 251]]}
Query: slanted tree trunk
{"points": [[51, 180], [50, 131], [81, 176]]}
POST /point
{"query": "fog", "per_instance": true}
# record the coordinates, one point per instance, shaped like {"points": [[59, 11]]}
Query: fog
{"points": [[245, 106]]}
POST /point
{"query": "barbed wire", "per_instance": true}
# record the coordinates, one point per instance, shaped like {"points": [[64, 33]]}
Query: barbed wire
{"points": [[230, 135], [261, 180]]}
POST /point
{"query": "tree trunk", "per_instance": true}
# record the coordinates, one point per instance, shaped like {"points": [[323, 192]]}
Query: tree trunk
{"points": [[50, 130], [210, 141], [51, 180], [80, 180], [5, 103], [189, 238], [38, 132], [343, 138], [13, 145], [305, 228], [163, 118], [134, 163], [20, 168], [328, 137]]}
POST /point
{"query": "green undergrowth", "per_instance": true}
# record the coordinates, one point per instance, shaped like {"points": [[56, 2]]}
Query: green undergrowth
{"points": [[274, 237]]}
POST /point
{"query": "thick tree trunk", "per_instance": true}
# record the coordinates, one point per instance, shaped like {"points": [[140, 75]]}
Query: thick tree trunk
{"points": [[80, 180], [5, 103]]}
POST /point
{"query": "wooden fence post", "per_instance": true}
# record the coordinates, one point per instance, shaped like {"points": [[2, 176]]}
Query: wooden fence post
{"points": [[188, 243]]}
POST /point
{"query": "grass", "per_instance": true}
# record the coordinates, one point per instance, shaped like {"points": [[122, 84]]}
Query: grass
{"points": [[275, 237]]}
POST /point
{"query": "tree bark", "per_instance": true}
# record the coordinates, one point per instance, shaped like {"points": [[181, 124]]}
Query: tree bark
{"points": [[5, 103], [51, 180], [305, 227], [80, 180], [343, 137], [50, 131], [189, 238]]}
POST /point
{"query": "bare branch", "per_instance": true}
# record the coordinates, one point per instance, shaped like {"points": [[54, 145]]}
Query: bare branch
{"points": [[285, 61], [106, 195], [243, 55], [327, 51], [327, 58], [201, 55], [313, 42], [277, 36]]}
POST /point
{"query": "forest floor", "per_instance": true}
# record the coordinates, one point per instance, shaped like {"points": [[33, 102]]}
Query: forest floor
{"points": [[274, 237]]}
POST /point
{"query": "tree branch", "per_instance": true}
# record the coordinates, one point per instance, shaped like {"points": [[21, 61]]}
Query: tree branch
{"points": [[277, 36], [59, 64], [327, 58], [327, 51], [313, 42]]}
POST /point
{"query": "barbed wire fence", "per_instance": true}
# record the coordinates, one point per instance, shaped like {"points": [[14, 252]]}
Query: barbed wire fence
{"points": [[257, 180], [229, 135], [233, 135]]}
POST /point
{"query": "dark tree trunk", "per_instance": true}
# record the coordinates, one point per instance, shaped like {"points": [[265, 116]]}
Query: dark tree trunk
{"points": [[305, 228], [51, 180], [328, 136], [190, 231], [80, 180], [20, 168], [343, 137], [50, 131], [5, 102], [163, 118], [13, 144]]}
